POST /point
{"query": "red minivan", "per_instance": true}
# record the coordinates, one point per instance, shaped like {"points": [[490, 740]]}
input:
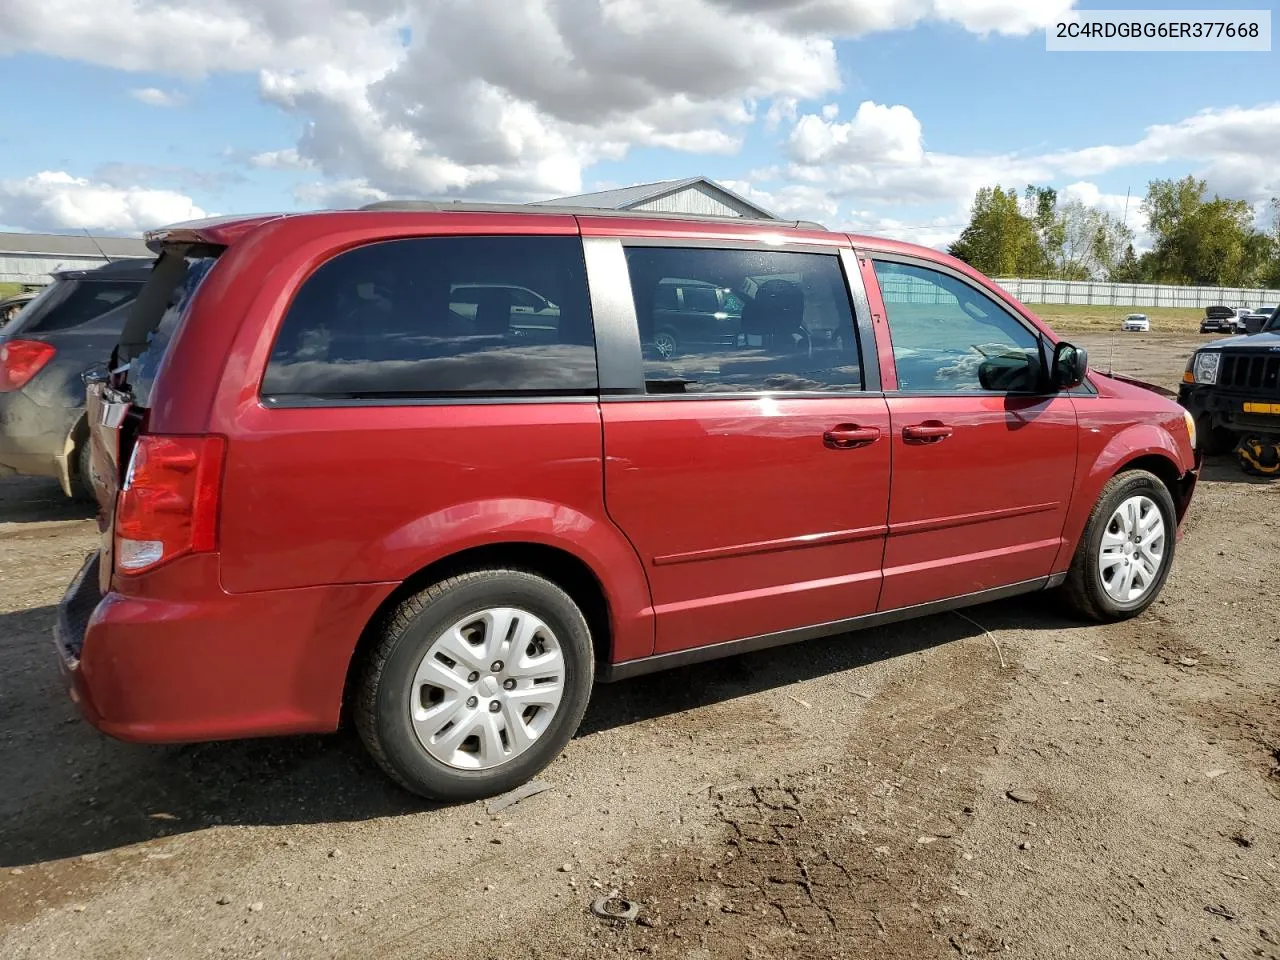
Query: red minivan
{"points": [[441, 467]]}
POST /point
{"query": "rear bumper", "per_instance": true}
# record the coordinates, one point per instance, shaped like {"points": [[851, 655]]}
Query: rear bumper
{"points": [[213, 666], [69, 629]]}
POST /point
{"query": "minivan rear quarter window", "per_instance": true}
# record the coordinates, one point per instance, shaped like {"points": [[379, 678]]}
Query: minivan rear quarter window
{"points": [[439, 317]]}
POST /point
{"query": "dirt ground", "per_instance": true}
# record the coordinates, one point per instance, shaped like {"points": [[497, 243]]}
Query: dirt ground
{"points": [[844, 798]]}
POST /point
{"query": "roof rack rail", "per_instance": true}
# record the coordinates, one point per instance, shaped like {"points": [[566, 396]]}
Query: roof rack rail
{"points": [[460, 206]]}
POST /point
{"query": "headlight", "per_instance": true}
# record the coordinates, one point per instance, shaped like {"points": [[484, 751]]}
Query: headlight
{"points": [[1191, 427], [1205, 366]]}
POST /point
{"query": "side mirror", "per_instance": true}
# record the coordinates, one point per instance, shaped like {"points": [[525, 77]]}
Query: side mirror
{"points": [[1013, 372], [1069, 365]]}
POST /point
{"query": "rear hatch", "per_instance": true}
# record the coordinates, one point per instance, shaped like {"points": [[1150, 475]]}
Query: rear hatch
{"points": [[118, 396]]}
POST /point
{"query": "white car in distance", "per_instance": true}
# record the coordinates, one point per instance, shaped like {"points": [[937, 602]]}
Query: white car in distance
{"points": [[1136, 323]]}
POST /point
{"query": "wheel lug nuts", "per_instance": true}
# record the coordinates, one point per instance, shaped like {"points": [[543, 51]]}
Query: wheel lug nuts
{"points": [[472, 701], [473, 676], [496, 666], [494, 706], [508, 684]]}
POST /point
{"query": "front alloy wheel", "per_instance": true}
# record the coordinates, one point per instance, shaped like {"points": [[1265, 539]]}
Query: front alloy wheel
{"points": [[1132, 551]]}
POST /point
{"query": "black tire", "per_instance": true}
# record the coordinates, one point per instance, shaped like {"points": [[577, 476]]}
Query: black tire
{"points": [[81, 488], [1215, 440], [1083, 588], [381, 709]]}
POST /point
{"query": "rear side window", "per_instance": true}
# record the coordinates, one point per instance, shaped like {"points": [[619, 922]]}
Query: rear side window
{"points": [[729, 321], [440, 317], [73, 303]]}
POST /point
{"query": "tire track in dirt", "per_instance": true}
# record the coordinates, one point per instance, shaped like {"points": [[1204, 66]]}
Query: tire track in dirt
{"points": [[851, 859]]}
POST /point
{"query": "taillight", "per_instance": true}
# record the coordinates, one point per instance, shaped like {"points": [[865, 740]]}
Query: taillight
{"points": [[168, 505], [20, 360]]}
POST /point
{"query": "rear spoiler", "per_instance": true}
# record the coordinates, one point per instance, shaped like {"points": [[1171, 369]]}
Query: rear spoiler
{"points": [[211, 231]]}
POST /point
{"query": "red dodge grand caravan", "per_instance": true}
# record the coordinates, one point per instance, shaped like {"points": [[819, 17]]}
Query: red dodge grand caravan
{"points": [[443, 466]]}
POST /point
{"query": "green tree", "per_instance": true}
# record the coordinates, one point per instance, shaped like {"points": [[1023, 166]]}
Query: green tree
{"points": [[1090, 242], [1271, 272], [1042, 206], [1040, 236], [1128, 268], [1199, 241], [1000, 240]]}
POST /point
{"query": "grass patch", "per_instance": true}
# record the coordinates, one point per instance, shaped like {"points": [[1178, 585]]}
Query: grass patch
{"points": [[1094, 319], [9, 289]]}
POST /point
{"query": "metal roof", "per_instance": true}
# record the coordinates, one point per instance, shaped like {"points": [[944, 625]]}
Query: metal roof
{"points": [[624, 198], [70, 245]]}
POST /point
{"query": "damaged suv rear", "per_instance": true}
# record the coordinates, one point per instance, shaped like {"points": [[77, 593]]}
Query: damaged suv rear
{"points": [[69, 327]]}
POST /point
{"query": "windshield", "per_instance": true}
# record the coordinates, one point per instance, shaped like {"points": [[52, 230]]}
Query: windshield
{"points": [[1273, 324]]}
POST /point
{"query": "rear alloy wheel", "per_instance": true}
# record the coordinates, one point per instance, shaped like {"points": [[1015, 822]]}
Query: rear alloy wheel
{"points": [[487, 688], [1124, 557], [477, 684]]}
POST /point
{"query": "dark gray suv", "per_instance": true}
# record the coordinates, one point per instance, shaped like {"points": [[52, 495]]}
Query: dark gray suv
{"points": [[69, 327]]}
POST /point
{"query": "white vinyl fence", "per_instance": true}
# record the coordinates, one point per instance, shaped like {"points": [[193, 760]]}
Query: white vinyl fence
{"points": [[1099, 293]]}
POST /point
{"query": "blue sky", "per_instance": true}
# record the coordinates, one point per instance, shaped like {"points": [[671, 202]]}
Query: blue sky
{"points": [[135, 118]]}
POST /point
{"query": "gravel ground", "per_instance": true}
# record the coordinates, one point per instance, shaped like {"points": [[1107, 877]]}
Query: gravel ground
{"points": [[845, 798]]}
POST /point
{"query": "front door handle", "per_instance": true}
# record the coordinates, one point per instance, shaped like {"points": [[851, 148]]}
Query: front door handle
{"points": [[845, 436], [931, 431]]}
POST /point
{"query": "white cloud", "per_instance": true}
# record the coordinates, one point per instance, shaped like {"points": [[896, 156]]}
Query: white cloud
{"points": [[155, 97], [857, 17], [879, 158], [935, 232], [1090, 195], [1235, 145], [780, 109], [515, 99], [511, 98], [54, 200], [191, 40], [796, 201], [339, 195], [286, 159], [876, 134]]}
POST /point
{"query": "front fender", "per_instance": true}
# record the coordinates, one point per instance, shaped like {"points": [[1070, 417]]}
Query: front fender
{"points": [[1130, 444], [595, 542]]}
